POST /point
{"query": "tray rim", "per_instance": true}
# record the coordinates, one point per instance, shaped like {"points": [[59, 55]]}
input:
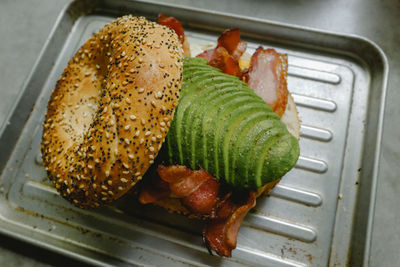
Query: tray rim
{"points": [[352, 54]]}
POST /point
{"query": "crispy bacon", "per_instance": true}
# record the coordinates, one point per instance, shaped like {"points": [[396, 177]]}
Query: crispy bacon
{"points": [[227, 53], [220, 233], [267, 73], [267, 78], [203, 196], [174, 24], [230, 40]]}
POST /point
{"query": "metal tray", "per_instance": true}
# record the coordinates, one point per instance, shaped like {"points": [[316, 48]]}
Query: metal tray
{"points": [[321, 212]]}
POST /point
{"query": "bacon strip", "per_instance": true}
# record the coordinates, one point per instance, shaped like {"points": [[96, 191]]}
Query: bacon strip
{"points": [[267, 78], [267, 73], [220, 233], [203, 196], [174, 24], [227, 53], [230, 40]]}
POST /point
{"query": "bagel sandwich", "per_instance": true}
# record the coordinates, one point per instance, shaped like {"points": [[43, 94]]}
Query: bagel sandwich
{"points": [[131, 108]]}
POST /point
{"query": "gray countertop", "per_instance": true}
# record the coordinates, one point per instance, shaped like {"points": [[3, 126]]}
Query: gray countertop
{"points": [[25, 26]]}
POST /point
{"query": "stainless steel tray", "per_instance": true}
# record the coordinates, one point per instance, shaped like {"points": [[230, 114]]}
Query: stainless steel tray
{"points": [[321, 212]]}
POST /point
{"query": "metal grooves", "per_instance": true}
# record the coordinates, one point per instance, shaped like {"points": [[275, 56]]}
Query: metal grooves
{"points": [[316, 133], [297, 195], [315, 75], [313, 102], [279, 226], [311, 164], [299, 216]]}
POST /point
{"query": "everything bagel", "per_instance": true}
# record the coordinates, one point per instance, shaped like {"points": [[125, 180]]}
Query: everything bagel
{"points": [[111, 110]]}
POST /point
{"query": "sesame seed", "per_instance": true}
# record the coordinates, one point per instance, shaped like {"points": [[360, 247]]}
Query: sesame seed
{"points": [[112, 122], [141, 90], [163, 108], [132, 70], [159, 136], [109, 182], [159, 94], [104, 198], [124, 83], [128, 101], [107, 173], [162, 124], [94, 186], [132, 117], [127, 141], [137, 133], [143, 121], [141, 140], [153, 139], [127, 127], [151, 161], [147, 133], [124, 180], [137, 173], [76, 85], [151, 149], [107, 135], [110, 193], [153, 103], [131, 156], [104, 187], [90, 166], [120, 188], [151, 157], [123, 54]]}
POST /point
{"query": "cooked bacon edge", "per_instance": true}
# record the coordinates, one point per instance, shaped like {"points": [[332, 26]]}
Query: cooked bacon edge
{"points": [[267, 78], [220, 232], [175, 24], [203, 196], [227, 53], [230, 40], [266, 75]]}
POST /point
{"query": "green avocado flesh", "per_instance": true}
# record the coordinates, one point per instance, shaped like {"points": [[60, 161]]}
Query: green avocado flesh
{"points": [[222, 126]]}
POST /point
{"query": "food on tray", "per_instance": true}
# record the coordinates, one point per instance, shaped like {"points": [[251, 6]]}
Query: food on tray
{"points": [[111, 109], [226, 144]]}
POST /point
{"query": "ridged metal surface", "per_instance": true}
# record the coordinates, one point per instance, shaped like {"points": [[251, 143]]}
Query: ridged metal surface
{"points": [[292, 227]]}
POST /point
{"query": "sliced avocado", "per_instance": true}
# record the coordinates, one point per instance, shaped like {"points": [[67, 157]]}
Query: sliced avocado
{"points": [[222, 126]]}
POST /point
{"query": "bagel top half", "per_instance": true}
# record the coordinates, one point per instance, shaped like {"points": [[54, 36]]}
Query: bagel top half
{"points": [[111, 110]]}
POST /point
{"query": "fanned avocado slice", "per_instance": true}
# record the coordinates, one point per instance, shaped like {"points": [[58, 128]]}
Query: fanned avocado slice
{"points": [[222, 126]]}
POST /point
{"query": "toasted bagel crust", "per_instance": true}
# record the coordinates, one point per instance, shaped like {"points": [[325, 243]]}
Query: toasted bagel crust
{"points": [[111, 110]]}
